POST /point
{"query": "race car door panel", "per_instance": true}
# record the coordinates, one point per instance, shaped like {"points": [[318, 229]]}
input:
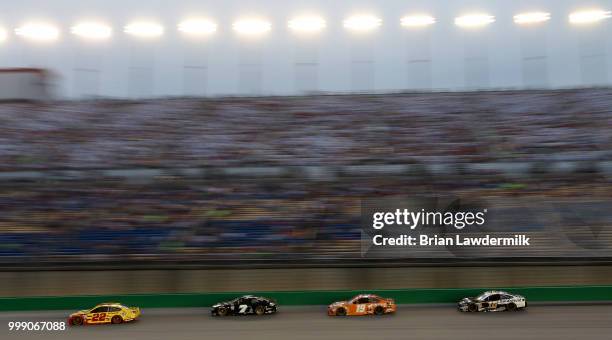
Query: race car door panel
{"points": [[360, 306], [98, 315], [493, 301], [244, 306]]}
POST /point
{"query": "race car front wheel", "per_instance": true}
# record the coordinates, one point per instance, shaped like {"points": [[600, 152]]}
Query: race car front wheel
{"points": [[473, 308], [511, 307], [379, 310], [78, 321], [340, 311], [116, 319], [260, 310], [222, 311]]}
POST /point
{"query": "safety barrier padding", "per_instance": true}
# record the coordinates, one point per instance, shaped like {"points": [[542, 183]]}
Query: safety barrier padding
{"points": [[304, 298]]}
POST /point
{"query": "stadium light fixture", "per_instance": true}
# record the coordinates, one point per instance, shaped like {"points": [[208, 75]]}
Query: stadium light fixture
{"points": [[531, 18], [474, 20], [362, 23], [307, 24], [144, 29], [588, 16], [38, 32], [417, 21], [252, 26], [197, 27], [92, 30]]}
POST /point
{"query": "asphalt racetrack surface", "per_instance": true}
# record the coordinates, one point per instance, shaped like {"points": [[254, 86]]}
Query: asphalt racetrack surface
{"points": [[411, 322]]}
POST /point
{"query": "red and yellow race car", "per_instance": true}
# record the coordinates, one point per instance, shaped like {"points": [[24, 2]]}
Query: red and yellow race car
{"points": [[109, 312], [364, 304]]}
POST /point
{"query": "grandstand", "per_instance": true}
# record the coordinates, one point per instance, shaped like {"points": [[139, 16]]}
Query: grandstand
{"points": [[435, 128], [180, 133], [196, 180]]}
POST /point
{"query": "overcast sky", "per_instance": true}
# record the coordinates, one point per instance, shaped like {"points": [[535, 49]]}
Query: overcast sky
{"points": [[443, 56]]}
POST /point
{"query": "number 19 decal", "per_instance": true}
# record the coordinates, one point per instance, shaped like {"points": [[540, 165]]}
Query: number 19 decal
{"points": [[361, 308]]}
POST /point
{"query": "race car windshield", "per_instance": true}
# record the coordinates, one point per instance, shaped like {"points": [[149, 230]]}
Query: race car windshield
{"points": [[482, 296]]}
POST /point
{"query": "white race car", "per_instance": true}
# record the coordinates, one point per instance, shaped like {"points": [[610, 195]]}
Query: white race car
{"points": [[492, 301]]}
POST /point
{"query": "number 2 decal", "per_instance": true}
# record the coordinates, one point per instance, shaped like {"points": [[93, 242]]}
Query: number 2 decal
{"points": [[243, 309], [98, 317]]}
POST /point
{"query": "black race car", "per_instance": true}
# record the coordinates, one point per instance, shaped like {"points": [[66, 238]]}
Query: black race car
{"points": [[493, 301], [245, 305]]}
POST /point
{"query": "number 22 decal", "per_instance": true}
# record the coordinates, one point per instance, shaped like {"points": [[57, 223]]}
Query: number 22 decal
{"points": [[99, 317]]}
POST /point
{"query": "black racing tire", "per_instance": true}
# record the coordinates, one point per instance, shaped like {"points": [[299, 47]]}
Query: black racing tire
{"points": [[260, 310], [472, 308], [78, 321], [116, 319], [511, 307], [379, 310], [222, 311], [341, 311]]}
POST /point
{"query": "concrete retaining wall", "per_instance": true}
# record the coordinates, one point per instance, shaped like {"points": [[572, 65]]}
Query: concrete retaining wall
{"points": [[62, 283]]}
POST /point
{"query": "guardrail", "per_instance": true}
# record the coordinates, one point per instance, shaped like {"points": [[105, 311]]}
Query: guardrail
{"points": [[506, 167], [15, 264], [303, 298]]}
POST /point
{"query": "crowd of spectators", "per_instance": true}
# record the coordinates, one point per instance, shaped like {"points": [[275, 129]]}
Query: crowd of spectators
{"points": [[318, 130], [294, 218], [283, 219]]}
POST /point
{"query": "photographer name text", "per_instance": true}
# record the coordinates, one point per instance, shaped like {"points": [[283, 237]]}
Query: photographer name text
{"points": [[455, 240]]}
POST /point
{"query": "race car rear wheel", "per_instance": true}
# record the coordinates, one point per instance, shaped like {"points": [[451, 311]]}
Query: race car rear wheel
{"points": [[472, 308], [77, 321], [260, 310], [511, 307], [379, 310], [222, 311], [116, 319], [341, 311]]}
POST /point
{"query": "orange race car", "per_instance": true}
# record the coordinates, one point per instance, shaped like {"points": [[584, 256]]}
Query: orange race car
{"points": [[364, 304]]}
